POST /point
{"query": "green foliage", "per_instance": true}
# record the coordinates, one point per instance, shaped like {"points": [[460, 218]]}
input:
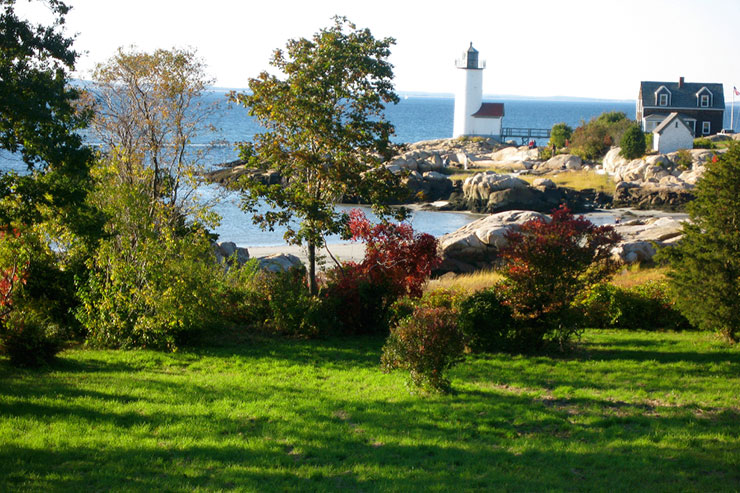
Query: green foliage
{"points": [[560, 133], [683, 159], [545, 153], [427, 344], [34, 318], [648, 141], [31, 337], [633, 142], [39, 120], [488, 323], [704, 143], [325, 131], [592, 140], [643, 307], [290, 308], [705, 265], [150, 283]]}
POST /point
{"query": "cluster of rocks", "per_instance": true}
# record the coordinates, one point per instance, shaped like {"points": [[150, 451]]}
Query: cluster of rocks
{"points": [[227, 253], [476, 246], [662, 181], [229, 172], [491, 192]]}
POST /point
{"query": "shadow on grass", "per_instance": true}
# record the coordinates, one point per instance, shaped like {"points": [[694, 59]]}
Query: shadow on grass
{"points": [[474, 441]]}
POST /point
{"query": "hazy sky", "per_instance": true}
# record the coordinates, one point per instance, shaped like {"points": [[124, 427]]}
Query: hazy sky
{"points": [[596, 48]]}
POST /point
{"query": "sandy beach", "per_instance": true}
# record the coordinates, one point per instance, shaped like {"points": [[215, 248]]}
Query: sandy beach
{"points": [[340, 251]]}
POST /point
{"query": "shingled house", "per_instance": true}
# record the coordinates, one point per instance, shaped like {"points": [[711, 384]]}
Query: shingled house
{"points": [[700, 105]]}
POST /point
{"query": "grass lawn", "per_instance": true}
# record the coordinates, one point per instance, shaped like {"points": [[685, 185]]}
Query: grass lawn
{"points": [[628, 411]]}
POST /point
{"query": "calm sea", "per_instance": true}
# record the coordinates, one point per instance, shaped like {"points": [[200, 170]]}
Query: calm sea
{"points": [[415, 119]]}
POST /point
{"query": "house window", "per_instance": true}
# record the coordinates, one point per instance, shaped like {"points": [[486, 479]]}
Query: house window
{"points": [[663, 101], [706, 127], [704, 101]]}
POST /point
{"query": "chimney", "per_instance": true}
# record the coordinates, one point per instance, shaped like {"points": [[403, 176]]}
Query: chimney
{"points": [[680, 82]]}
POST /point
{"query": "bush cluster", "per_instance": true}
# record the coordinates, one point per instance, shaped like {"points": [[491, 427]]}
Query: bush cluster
{"points": [[704, 143], [647, 306], [592, 140], [633, 143]]}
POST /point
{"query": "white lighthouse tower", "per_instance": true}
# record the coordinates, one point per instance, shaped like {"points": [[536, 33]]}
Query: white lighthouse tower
{"points": [[472, 116]]}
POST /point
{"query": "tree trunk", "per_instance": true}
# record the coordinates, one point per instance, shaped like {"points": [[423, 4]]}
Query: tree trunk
{"points": [[312, 268]]}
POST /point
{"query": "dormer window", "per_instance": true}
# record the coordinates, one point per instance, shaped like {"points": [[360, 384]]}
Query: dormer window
{"points": [[663, 100], [704, 101]]}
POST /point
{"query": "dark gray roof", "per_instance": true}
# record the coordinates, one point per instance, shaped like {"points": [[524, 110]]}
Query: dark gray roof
{"points": [[684, 97], [664, 124]]}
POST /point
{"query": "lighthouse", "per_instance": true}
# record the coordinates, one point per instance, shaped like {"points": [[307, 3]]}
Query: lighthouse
{"points": [[473, 116]]}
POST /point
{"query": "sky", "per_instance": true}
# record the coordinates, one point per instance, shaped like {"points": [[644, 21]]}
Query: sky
{"points": [[538, 48]]}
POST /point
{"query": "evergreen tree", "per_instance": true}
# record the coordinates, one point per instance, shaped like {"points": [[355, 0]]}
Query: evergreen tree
{"points": [[633, 142], [705, 265]]}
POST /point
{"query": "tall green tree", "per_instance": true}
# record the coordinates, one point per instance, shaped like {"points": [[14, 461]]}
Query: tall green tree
{"points": [[324, 131], [39, 120], [43, 212], [705, 265]]}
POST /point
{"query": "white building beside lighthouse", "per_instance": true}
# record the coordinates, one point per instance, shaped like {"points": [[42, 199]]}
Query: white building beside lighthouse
{"points": [[473, 116]]}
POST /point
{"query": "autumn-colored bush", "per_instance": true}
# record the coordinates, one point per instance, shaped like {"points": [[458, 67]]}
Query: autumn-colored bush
{"points": [[427, 344], [592, 140], [548, 263], [397, 263]]}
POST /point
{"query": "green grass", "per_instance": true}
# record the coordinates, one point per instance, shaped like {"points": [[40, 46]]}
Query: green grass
{"points": [[628, 411]]}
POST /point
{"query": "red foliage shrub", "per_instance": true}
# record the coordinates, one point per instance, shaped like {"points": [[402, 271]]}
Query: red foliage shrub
{"points": [[426, 344], [550, 263], [397, 262]]}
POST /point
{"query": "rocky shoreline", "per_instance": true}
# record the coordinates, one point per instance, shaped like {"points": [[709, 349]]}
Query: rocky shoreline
{"points": [[662, 182]]}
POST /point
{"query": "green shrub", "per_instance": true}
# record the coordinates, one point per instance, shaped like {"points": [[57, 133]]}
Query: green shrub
{"points": [[559, 134], [633, 142], [35, 297], [704, 143], [31, 338], [644, 307], [592, 140], [683, 159], [648, 141], [488, 323], [545, 153], [290, 307], [427, 344]]}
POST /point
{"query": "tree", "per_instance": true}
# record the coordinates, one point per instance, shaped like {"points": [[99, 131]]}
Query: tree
{"points": [[148, 110], [559, 134], [45, 222], [633, 142], [153, 277], [324, 129], [39, 120], [705, 265]]}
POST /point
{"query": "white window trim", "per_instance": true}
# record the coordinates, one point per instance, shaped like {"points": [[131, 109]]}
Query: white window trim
{"points": [[702, 99], [706, 128], [661, 101]]}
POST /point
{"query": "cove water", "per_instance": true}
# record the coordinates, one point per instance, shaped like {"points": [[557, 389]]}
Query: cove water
{"points": [[415, 119]]}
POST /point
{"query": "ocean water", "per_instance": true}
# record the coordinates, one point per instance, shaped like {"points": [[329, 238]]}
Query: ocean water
{"points": [[415, 119]]}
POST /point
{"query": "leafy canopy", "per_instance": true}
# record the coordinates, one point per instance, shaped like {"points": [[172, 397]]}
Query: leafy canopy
{"points": [[324, 131], [633, 142], [39, 120], [705, 265]]}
